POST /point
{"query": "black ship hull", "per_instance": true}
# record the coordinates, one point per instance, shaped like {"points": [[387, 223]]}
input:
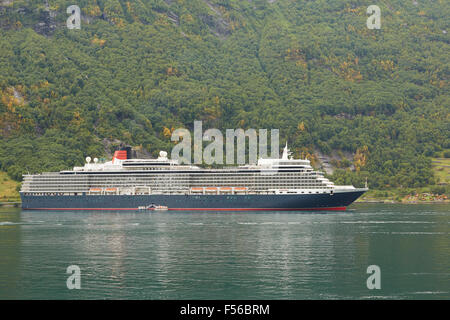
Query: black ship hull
{"points": [[339, 200]]}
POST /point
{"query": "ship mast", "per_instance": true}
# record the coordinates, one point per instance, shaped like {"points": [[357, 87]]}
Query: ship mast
{"points": [[286, 153]]}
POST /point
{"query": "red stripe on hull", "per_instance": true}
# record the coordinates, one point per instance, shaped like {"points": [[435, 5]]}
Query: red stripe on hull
{"points": [[200, 209]]}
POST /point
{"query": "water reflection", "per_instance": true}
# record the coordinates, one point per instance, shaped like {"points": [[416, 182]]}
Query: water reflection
{"points": [[131, 255], [10, 240]]}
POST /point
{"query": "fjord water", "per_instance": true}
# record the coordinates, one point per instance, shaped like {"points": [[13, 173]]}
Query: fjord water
{"points": [[212, 255]]}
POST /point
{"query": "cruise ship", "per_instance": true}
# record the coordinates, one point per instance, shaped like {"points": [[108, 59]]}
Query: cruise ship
{"points": [[283, 184]]}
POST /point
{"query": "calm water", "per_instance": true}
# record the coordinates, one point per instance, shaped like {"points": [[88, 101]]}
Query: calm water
{"points": [[133, 255]]}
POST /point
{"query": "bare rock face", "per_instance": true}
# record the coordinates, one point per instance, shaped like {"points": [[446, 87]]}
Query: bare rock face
{"points": [[173, 17], [325, 162], [47, 22], [43, 20], [329, 163], [216, 23], [45, 26]]}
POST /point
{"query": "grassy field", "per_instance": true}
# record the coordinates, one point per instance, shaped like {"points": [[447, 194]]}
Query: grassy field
{"points": [[441, 168], [8, 189]]}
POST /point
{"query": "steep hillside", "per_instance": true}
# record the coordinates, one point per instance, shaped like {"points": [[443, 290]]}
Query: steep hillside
{"points": [[375, 101]]}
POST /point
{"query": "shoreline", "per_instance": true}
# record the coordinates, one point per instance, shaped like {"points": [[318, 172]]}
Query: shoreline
{"points": [[379, 201], [10, 204], [388, 201]]}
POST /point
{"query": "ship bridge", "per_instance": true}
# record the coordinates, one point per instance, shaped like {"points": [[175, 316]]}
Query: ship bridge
{"points": [[286, 161]]}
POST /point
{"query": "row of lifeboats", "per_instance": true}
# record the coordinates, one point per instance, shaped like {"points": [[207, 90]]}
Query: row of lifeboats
{"points": [[195, 190], [216, 190], [100, 190]]}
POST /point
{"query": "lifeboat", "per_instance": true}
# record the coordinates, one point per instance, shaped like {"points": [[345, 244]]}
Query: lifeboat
{"points": [[95, 190], [211, 190], [111, 189], [197, 190], [240, 190], [226, 190]]}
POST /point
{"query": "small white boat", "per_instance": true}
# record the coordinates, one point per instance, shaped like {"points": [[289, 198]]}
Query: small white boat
{"points": [[161, 208], [153, 207], [157, 208]]}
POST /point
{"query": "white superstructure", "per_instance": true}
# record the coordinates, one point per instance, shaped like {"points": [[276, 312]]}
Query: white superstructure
{"points": [[165, 176]]}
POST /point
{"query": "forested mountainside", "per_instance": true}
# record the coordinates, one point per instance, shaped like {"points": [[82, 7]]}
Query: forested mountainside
{"points": [[374, 103]]}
